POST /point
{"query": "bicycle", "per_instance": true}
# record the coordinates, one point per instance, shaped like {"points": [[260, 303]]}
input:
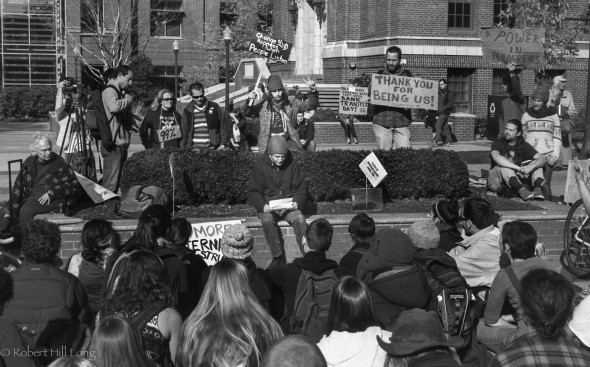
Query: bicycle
{"points": [[576, 240]]}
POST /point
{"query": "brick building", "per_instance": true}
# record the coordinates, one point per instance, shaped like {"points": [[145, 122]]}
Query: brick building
{"points": [[439, 39]]}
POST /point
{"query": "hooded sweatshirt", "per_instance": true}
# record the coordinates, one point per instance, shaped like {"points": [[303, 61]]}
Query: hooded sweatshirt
{"points": [[344, 349]]}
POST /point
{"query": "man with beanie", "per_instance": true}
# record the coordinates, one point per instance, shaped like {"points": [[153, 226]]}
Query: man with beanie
{"points": [[395, 285], [276, 175], [278, 112], [542, 129], [508, 171], [391, 124]]}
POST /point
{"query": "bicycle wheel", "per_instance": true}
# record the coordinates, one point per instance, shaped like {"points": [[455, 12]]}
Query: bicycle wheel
{"points": [[576, 239]]}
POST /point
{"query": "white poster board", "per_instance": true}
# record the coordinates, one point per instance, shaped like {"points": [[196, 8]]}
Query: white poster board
{"points": [[404, 91], [373, 169], [353, 101], [97, 193], [572, 190], [206, 239]]}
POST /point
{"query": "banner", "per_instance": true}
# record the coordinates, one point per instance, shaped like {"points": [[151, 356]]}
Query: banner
{"points": [[353, 101], [572, 190], [206, 239], [271, 48], [373, 169], [524, 47], [97, 193], [404, 91]]}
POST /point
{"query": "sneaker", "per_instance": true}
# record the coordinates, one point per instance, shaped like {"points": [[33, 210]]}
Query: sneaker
{"points": [[525, 194], [449, 144], [277, 262], [355, 140], [6, 238], [347, 140], [538, 194]]}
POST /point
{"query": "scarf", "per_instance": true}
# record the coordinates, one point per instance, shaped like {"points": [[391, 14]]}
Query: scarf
{"points": [[543, 112]]}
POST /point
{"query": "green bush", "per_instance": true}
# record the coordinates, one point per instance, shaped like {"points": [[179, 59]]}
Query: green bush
{"points": [[221, 177], [19, 102], [324, 115]]}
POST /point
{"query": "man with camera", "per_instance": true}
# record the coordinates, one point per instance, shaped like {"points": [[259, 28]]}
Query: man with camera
{"points": [[117, 104]]}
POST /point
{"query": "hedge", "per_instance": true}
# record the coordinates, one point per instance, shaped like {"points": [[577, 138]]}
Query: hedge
{"points": [[221, 177], [18, 102]]}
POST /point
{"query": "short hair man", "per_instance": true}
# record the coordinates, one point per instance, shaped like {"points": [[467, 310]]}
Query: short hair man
{"points": [[391, 124], [508, 156], [204, 124], [276, 175], [117, 105], [446, 101], [306, 131], [45, 183]]}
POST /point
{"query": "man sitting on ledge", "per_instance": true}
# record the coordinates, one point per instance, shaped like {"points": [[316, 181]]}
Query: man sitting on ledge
{"points": [[516, 163]]}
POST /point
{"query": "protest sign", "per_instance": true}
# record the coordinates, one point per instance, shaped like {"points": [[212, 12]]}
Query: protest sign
{"points": [[572, 190], [270, 47], [404, 91], [206, 239], [524, 47], [353, 101], [97, 193], [373, 169]]}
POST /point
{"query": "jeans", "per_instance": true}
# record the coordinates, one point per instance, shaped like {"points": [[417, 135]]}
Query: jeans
{"points": [[32, 207], [442, 128], [348, 127], [272, 232], [392, 138], [501, 175], [112, 168], [496, 337], [547, 173]]}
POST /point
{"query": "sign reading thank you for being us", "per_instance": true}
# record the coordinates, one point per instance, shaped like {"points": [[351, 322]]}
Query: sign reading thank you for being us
{"points": [[270, 47], [524, 47], [404, 91]]}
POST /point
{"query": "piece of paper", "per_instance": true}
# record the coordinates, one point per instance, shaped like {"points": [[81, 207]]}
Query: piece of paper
{"points": [[97, 193], [169, 133], [206, 239], [353, 101], [270, 47], [373, 169], [404, 91], [280, 204]]}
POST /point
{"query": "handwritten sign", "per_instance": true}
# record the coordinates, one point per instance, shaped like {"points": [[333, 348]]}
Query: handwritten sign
{"points": [[572, 190], [404, 91], [353, 101], [269, 47], [169, 133], [373, 169], [523, 47], [206, 239], [97, 193]]}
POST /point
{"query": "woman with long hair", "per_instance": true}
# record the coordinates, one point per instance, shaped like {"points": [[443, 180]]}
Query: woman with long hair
{"points": [[98, 242], [161, 125], [229, 327], [116, 343], [445, 214], [141, 294], [352, 327]]}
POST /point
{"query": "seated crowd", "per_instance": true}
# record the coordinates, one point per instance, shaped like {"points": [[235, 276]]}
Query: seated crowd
{"points": [[152, 301]]}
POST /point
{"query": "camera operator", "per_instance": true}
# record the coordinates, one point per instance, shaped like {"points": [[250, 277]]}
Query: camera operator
{"points": [[73, 138]]}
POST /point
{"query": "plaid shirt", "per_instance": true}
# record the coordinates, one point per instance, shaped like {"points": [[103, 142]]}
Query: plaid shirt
{"points": [[532, 350]]}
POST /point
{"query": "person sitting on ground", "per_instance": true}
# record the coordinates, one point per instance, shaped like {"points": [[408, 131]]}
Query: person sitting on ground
{"points": [[547, 305], [542, 130], [478, 256], [49, 302], [445, 214], [229, 327], [352, 327], [46, 183], [515, 163], [276, 175], [161, 126], [418, 340], [293, 351], [362, 232], [395, 284], [306, 130], [518, 240]]}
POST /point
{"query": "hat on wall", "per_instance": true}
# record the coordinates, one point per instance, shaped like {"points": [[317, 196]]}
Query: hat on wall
{"points": [[542, 93], [277, 145], [274, 83], [424, 234], [237, 242]]}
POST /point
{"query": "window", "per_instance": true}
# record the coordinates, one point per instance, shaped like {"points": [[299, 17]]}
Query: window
{"points": [[459, 82], [91, 15], [500, 6], [165, 18], [163, 77], [460, 14]]}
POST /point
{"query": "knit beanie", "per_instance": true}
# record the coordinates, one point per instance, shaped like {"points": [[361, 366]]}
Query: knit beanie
{"points": [[277, 145], [424, 234], [274, 83], [541, 93], [236, 242]]}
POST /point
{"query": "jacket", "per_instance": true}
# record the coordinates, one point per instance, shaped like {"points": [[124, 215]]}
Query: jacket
{"points": [[10, 340], [289, 107], [514, 106], [270, 182], [392, 117], [360, 349], [306, 130], [446, 101], [449, 236], [47, 300], [218, 124], [148, 132], [61, 183], [114, 104]]}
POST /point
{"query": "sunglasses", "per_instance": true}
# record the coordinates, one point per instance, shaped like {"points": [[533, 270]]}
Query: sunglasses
{"points": [[199, 97], [167, 99]]}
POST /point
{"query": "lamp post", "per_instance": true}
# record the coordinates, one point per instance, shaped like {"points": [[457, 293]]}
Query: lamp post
{"points": [[227, 40], [175, 47]]}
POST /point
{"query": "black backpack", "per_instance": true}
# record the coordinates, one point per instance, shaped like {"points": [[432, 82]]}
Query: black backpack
{"points": [[96, 118]]}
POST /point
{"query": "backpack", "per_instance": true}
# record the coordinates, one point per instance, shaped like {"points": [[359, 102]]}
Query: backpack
{"points": [[96, 117], [453, 296], [312, 303], [140, 197]]}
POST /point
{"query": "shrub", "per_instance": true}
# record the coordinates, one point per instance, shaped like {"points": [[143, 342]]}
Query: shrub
{"points": [[481, 128], [324, 115], [221, 177], [19, 102]]}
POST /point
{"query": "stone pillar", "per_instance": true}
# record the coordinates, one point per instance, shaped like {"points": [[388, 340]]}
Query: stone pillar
{"points": [[309, 40]]}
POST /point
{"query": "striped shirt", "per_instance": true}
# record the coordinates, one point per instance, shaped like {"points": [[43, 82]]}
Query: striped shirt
{"points": [[200, 131]]}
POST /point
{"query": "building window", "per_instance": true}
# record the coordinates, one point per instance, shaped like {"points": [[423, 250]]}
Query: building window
{"points": [[91, 15], [459, 82], [500, 6], [163, 77], [497, 76], [460, 14], [165, 18]]}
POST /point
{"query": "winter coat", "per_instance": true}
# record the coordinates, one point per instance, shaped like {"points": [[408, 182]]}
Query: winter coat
{"points": [[153, 122], [91, 275], [360, 349], [218, 123]]}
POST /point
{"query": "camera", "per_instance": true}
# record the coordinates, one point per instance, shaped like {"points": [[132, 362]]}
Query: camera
{"points": [[71, 86]]}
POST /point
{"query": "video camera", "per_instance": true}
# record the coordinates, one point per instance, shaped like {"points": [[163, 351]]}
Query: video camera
{"points": [[71, 86]]}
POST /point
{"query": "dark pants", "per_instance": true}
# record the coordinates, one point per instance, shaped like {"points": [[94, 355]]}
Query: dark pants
{"points": [[546, 188], [442, 128], [113, 164], [32, 207], [348, 128], [272, 231]]}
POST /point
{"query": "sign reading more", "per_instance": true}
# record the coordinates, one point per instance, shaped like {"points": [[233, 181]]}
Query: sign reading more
{"points": [[269, 47], [206, 239], [404, 91]]}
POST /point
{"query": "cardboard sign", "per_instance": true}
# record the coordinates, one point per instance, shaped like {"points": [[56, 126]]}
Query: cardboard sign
{"points": [[524, 47], [206, 239], [97, 193], [353, 101], [269, 47], [169, 133], [373, 169], [404, 91], [572, 190]]}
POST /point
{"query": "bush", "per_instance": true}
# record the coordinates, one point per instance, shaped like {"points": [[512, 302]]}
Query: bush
{"points": [[221, 177], [324, 115], [19, 102]]}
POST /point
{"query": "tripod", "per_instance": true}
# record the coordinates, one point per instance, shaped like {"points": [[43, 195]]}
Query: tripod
{"points": [[78, 152]]}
